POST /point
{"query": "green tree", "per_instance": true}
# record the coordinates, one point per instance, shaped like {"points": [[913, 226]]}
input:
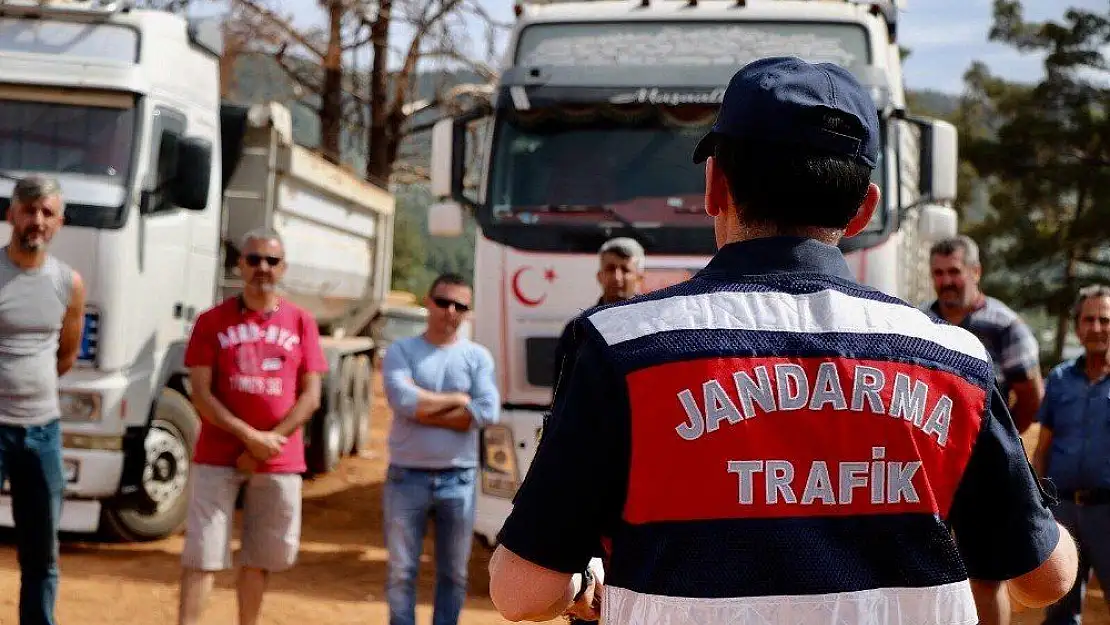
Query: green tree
{"points": [[1043, 151]]}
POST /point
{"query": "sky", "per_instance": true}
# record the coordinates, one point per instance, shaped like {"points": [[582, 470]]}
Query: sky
{"points": [[945, 36]]}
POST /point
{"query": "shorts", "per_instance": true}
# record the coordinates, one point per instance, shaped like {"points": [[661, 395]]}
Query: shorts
{"points": [[271, 519]]}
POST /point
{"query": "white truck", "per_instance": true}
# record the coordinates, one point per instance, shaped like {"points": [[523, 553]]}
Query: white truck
{"points": [[594, 119], [161, 179]]}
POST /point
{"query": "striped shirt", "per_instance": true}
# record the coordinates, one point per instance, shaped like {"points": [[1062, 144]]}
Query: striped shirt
{"points": [[1009, 341], [770, 442]]}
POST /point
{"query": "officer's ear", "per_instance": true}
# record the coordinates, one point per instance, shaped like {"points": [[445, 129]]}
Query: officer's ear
{"points": [[866, 210], [717, 195]]}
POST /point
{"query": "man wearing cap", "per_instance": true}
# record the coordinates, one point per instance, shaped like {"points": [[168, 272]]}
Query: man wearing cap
{"points": [[770, 441]]}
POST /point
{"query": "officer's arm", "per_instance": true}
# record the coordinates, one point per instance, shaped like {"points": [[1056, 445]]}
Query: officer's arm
{"points": [[553, 532], [1001, 518]]}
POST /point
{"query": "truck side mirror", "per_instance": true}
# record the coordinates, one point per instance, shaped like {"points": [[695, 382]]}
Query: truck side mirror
{"points": [[189, 187], [442, 159], [936, 222], [445, 219], [939, 160], [448, 173]]}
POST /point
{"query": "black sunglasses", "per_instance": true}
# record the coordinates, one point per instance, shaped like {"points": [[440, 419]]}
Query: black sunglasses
{"points": [[255, 260], [443, 302]]}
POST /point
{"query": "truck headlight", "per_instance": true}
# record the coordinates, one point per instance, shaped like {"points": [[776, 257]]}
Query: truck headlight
{"points": [[79, 405], [500, 475]]}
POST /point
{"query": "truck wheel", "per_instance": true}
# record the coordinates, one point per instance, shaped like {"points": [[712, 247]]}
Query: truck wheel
{"points": [[322, 455], [347, 413], [159, 507], [363, 395]]}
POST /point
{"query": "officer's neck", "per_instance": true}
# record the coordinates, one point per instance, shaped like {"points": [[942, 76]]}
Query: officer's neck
{"points": [[738, 232]]}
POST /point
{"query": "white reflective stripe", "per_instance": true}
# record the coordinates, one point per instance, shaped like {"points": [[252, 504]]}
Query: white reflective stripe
{"points": [[823, 311], [949, 604]]}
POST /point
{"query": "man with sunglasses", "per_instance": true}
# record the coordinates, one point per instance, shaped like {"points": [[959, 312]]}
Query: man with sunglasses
{"points": [[255, 364], [441, 390]]}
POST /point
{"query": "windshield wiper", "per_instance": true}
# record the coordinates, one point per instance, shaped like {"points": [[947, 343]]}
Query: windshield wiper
{"points": [[600, 208]]}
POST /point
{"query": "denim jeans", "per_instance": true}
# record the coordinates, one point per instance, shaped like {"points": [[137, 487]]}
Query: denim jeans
{"points": [[31, 459], [1090, 526], [410, 496]]}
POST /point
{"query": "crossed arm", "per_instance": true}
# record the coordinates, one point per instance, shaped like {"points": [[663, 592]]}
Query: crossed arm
{"points": [[456, 411]]}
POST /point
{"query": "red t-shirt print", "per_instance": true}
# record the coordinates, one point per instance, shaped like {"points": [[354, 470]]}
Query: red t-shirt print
{"points": [[257, 361]]}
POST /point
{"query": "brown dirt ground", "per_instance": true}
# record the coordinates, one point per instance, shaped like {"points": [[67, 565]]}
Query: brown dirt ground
{"points": [[339, 580]]}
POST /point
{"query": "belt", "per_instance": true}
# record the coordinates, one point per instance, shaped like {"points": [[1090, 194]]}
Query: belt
{"points": [[1086, 496]]}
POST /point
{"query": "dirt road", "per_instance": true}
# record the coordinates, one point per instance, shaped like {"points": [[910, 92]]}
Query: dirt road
{"points": [[340, 578]]}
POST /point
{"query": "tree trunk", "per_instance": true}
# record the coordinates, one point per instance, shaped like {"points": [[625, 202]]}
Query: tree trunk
{"points": [[1072, 242], [379, 161], [1063, 316], [331, 98]]}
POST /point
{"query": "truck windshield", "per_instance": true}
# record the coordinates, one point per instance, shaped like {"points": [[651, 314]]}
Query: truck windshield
{"points": [[600, 163], [59, 138], [605, 165]]}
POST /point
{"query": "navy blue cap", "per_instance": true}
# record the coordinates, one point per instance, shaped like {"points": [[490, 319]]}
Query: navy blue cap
{"points": [[782, 100]]}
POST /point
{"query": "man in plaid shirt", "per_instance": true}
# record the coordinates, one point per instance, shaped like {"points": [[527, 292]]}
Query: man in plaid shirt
{"points": [[1013, 349]]}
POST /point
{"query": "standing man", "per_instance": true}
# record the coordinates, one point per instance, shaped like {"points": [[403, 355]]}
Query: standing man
{"points": [[255, 364], [620, 274], [441, 390], [1014, 351], [771, 441], [42, 306], [1074, 446]]}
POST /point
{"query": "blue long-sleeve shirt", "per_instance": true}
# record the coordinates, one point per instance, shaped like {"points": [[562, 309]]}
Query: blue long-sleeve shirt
{"points": [[460, 367]]}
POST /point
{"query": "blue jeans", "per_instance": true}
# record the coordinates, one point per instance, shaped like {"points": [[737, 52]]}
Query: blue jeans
{"points": [[410, 496], [31, 459], [1090, 526]]}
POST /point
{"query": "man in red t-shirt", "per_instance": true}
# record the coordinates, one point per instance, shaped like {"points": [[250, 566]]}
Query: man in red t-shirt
{"points": [[255, 363]]}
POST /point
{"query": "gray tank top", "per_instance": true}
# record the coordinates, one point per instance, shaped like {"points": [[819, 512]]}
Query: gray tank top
{"points": [[32, 305]]}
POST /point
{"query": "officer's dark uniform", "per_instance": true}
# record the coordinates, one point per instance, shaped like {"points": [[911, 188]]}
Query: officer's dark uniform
{"points": [[771, 442]]}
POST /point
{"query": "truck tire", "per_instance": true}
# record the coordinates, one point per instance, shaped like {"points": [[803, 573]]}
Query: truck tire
{"points": [[323, 452], [347, 413], [363, 397], [159, 507]]}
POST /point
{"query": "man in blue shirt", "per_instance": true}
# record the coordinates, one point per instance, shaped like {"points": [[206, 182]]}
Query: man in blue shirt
{"points": [[441, 390], [1073, 450]]}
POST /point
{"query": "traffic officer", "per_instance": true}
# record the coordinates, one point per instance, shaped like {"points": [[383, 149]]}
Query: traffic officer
{"points": [[771, 442]]}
